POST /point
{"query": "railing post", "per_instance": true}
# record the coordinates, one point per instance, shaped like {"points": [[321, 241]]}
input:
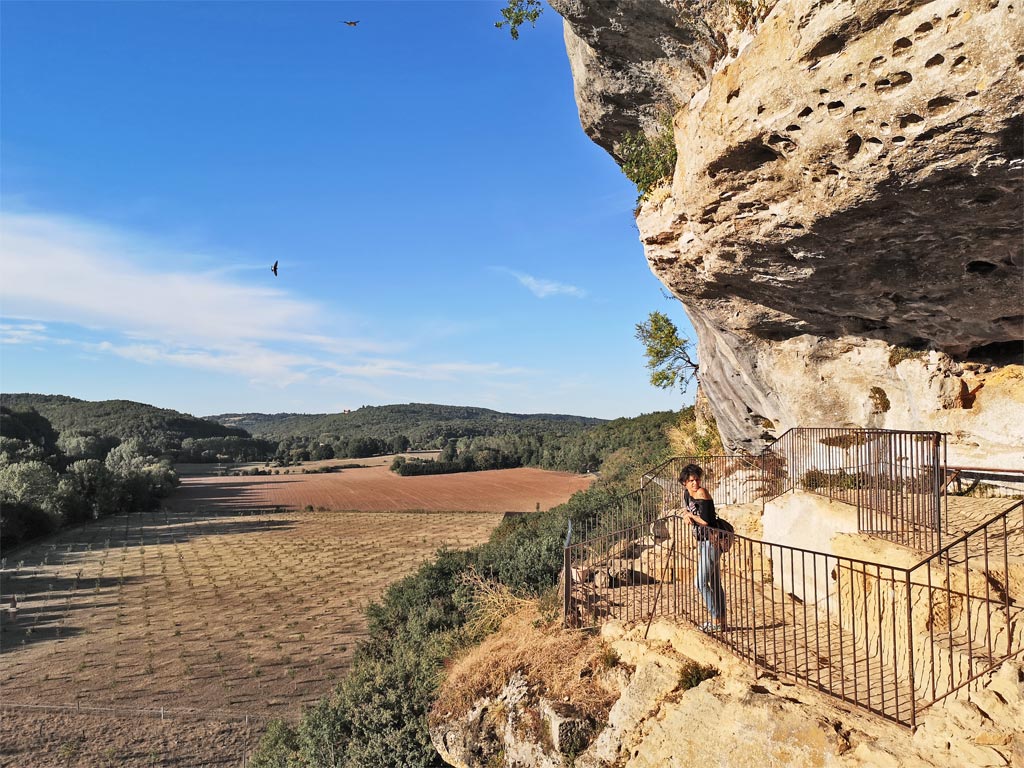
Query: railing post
{"points": [[910, 649], [566, 577], [940, 490]]}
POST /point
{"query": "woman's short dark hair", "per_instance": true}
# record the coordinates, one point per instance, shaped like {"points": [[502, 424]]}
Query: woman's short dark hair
{"points": [[690, 470]]}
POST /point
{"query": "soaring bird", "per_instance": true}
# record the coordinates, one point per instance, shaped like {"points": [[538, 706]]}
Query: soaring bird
{"points": [[274, 269], [350, 23]]}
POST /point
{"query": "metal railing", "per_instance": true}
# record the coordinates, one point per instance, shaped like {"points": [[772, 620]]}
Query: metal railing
{"points": [[889, 639], [893, 478], [963, 612], [729, 479]]}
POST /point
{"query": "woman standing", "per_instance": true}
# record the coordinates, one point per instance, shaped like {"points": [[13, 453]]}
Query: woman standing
{"points": [[700, 512]]}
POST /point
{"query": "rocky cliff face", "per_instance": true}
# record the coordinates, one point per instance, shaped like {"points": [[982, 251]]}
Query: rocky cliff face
{"points": [[844, 225], [731, 719]]}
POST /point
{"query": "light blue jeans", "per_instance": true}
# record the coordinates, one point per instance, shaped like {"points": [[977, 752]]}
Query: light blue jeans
{"points": [[709, 581]]}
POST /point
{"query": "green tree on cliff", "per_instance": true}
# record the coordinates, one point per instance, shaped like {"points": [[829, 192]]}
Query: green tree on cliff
{"points": [[518, 12], [669, 356]]}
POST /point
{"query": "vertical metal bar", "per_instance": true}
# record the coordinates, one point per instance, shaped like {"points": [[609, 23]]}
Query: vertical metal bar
{"points": [[750, 615], [842, 643], [828, 625], [988, 599], [853, 632], [775, 623], [866, 633], [895, 646], [912, 674], [792, 592], [931, 629], [817, 623], [567, 574], [969, 634], [1006, 570], [937, 481], [949, 616], [880, 645], [803, 575]]}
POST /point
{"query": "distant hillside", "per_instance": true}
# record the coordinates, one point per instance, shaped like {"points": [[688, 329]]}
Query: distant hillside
{"points": [[122, 419], [422, 423]]}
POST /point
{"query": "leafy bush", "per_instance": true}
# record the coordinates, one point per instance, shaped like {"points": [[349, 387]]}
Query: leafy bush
{"points": [[518, 12], [693, 674], [898, 354], [277, 747], [648, 160], [840, 480], [21, 523]]}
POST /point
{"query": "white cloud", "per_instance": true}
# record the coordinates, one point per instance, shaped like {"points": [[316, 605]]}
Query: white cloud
{"points": [[433, 371], [111, 293], [22, 333], [252, 362], [542, 288], [62, 270]]}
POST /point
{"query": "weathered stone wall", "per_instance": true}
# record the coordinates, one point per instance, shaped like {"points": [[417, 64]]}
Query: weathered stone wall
{"points": [[848, 189]]}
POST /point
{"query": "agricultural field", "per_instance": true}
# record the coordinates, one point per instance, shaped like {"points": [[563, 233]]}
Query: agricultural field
{"points": [[373, 488], [170, 638]]}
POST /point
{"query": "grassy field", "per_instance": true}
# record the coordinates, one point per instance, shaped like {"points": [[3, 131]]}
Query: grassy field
{"points": [[168, 638]]}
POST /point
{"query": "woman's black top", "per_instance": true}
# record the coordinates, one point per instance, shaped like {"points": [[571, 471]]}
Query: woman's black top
{"points": [[705, 510]]}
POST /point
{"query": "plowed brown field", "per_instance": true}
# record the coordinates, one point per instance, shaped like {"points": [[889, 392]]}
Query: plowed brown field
{"points": [[376, 489]]}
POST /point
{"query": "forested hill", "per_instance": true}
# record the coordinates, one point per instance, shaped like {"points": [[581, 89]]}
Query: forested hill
{"points": [[422, 423], [120, 419]]}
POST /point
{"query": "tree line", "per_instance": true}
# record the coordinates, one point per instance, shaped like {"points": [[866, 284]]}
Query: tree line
{"points": [[642, 438], [427, 426], [89, 429], [49, 480]]}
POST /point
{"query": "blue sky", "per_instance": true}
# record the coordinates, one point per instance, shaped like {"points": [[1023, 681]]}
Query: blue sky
{"points": [[445, 230]]}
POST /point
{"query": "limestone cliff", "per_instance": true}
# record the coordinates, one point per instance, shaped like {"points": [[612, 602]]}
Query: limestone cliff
{"points": [[728, 720], [844, 226]]}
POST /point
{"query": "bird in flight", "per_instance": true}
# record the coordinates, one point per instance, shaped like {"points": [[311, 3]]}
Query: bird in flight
{"points": [[350, 23], [274, 269]]}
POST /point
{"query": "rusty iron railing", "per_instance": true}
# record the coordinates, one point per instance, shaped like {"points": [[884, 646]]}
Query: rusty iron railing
{"points": [[893, 478], [888, 639], [729, 479], [963, 608]]}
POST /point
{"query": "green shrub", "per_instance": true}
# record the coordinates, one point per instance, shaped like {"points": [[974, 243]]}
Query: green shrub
{"points": [[898, 354], [278, 748], [648, 160], [846, 440], [879, 400], [693, 674], [750, 12], [22, 522]]}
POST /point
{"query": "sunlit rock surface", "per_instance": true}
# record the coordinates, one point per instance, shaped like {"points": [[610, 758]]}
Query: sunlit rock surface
{"points": [[848, 191], [735, 720]]}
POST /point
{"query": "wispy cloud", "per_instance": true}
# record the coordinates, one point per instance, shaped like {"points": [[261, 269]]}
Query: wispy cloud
{"points": [[22, 333], [432, 371], [543, 288], [111, 293]]}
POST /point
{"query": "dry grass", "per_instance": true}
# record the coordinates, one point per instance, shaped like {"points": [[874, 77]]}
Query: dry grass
{"points": [[561, 665], [492, 603], [684, 440]]}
